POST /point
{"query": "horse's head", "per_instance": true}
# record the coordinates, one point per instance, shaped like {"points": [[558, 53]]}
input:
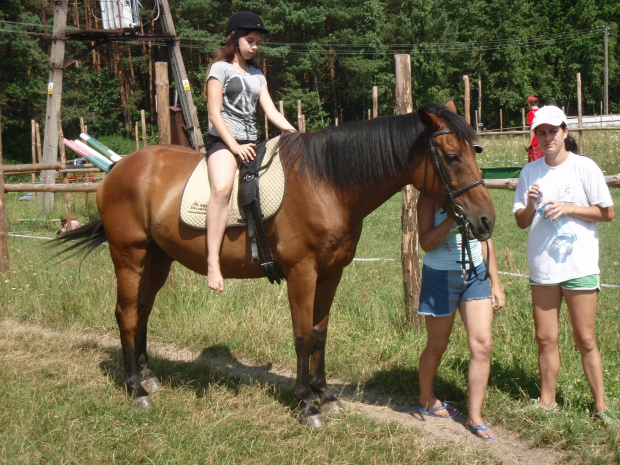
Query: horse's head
{"points": [[450, 175]]}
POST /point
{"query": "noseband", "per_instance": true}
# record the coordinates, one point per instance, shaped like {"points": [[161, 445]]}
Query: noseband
{"points": [[459, 212]]}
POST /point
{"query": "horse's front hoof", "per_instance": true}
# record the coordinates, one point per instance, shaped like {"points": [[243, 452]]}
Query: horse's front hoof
{"points": [[151, 384], [142, 403], [332, 407], [313, 421]]}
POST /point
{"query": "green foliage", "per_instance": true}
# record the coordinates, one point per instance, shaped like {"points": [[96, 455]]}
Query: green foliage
{"points": [[95, 96]]}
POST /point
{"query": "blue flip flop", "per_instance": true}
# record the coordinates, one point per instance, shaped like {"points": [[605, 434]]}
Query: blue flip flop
{"points": [[443, 406], [484, 429]]}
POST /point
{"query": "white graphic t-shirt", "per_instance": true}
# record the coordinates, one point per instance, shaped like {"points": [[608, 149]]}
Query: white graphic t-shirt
{"points": [[577, 181], [241, 92]]}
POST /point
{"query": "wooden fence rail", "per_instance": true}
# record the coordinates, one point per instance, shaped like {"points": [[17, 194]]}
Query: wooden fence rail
{"points": [[73, 187]]}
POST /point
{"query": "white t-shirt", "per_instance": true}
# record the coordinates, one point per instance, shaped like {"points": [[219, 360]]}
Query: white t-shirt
{"points": [[577, 181], [241, 92]]}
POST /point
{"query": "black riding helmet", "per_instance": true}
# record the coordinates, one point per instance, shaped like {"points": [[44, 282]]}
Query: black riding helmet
{"points": [[245, 20]]}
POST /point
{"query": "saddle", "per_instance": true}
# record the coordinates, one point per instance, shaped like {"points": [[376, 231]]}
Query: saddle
{"points": [[251, 202]]}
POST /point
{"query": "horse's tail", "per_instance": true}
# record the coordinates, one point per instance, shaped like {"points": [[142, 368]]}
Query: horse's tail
{"points": [[82, 240]]}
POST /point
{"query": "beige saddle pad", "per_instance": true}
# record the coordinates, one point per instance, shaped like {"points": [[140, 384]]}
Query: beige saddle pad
{"points": [[272, 184]]}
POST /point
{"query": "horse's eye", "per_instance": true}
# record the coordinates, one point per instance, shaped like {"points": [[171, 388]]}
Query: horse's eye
{"points": [[451, 158]]}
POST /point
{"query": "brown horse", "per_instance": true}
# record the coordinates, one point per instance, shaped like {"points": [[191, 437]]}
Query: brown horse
{"points": [[335, 178]]}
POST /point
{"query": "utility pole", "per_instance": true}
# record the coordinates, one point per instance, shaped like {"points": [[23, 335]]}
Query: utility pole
{"points": [[54, 94], [180, 77]]}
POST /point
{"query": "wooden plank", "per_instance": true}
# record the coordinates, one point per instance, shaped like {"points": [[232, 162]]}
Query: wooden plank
{"points": [[75, 187], [511, 183]]}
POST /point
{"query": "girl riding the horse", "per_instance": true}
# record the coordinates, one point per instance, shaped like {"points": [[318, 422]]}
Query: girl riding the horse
{"points": [[233, 86]]}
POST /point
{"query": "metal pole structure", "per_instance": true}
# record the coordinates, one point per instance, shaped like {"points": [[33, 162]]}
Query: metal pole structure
{"points": [[409, 222], [54, 93], [606, 85], [180, 76]]}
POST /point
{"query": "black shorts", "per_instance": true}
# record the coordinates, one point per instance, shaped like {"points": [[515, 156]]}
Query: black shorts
{"points": [[215, 143]]}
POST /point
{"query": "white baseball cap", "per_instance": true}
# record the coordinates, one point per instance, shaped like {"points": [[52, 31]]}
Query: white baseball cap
{"points": [[549, 114]]}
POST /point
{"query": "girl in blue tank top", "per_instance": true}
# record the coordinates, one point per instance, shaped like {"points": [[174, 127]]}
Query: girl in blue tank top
{"points": [[444, 290]]}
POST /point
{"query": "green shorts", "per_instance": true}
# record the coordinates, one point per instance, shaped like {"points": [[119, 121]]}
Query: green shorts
{"points": [[585, 283]]}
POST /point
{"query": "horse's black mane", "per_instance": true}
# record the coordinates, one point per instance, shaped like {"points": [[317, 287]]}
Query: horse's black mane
{"points": [[359, 153]]}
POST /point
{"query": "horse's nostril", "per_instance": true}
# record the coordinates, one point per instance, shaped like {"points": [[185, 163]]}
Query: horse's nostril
{"points": [[486, 223]]}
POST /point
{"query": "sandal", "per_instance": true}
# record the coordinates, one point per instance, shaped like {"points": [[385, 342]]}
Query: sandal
{"points": [[483, 429], [452, 412]]}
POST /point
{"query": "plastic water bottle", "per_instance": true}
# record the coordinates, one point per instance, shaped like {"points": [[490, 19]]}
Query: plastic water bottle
{"points": [[564, 235]]}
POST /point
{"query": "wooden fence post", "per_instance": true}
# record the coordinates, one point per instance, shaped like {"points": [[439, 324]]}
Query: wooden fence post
{"points": [[143, 123], [301, 124], [579, 113], [409, 223], [33, 146], [163, 101], [63, 175], [375, 102], [4, 228], [467, 99]]}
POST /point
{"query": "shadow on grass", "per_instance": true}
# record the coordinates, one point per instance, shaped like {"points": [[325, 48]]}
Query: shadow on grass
{"points": [[396, 388]]}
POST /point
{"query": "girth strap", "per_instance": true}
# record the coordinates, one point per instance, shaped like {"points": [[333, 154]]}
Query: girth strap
{"points": [[249, 201]]}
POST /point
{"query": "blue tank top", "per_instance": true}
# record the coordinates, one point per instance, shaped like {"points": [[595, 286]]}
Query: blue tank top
{"points": [[446, 254]]}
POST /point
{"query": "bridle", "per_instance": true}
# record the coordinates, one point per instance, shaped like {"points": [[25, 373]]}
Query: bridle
{"points": [[463, 223]]}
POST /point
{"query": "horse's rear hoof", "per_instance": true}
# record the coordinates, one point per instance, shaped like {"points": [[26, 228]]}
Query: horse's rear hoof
{"points": [[332, 407], [313, 421], [142, 403], [152, 384]]}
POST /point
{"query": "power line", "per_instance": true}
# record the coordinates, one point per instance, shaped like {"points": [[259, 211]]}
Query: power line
{"points": [[297, 48]]}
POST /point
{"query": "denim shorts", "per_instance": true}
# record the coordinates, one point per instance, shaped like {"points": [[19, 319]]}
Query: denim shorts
{"points": [[443, 290]]}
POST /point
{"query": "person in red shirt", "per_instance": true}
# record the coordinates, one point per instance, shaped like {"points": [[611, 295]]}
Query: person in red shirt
{"points": [[533, 149]]}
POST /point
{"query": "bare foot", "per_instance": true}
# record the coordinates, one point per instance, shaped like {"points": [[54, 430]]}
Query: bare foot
{"points": [[215, 278]]}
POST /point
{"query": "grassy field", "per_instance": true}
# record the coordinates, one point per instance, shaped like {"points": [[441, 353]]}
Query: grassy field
{"points": [[62, 399]]}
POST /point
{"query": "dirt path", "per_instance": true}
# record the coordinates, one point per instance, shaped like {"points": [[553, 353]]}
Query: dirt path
{"points": [[508, 448]]}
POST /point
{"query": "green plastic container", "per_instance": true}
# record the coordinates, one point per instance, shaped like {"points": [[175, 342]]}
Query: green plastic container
{"points": [[504, 172]]}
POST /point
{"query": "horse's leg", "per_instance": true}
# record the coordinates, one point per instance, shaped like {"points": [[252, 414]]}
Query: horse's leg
{"points": [[154, 274], [128, 263], [324, 296], [301, 289]]}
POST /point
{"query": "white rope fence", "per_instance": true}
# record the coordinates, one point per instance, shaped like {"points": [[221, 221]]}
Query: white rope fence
{"points": [[507, 273]]}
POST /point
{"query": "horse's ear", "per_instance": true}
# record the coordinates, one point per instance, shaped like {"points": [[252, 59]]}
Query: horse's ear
{"points": [[451, 106], [434, 122]]}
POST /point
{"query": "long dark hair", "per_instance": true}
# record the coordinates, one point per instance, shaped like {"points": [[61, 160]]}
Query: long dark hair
{"points": [[362, 152], [227, 51]]}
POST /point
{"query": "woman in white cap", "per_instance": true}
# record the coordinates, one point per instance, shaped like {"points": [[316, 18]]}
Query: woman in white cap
{"points": [[563, 188], [233, 86]]}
